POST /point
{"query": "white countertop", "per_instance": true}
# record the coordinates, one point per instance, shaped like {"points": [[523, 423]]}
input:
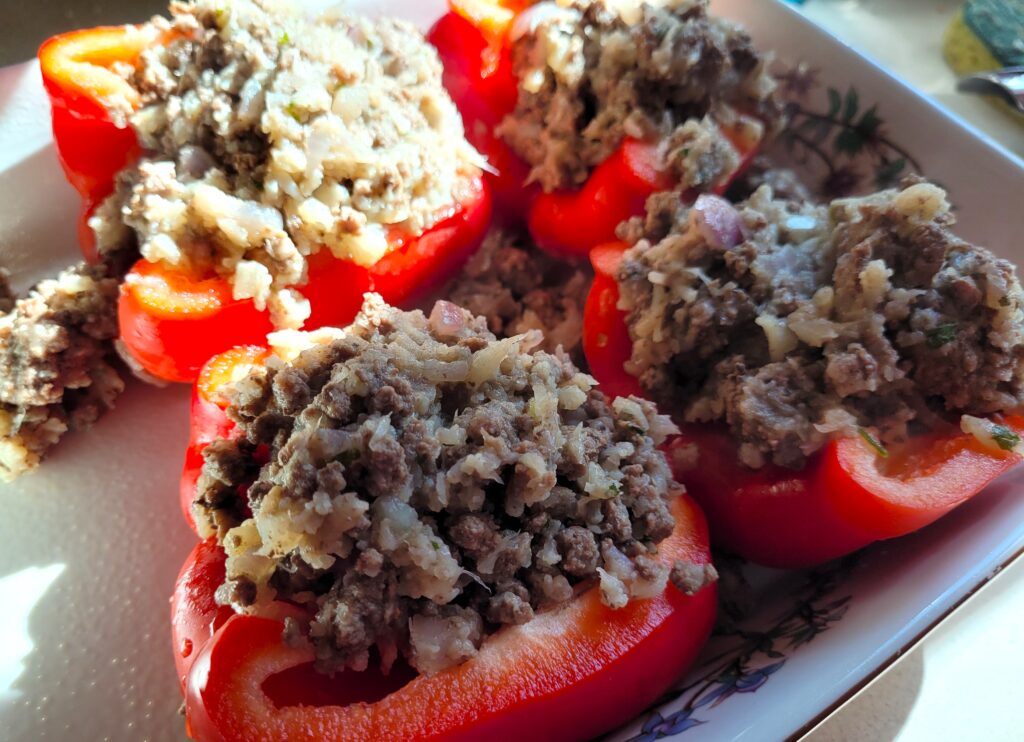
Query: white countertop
{"points": [[962, 680]]}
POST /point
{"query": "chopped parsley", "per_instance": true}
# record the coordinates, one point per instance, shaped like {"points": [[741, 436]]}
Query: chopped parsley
{"points": [[293, 110], [284, 39], [1004, 301], [874, 443], [1005, 438], [615, 488], [941, 335], [436, 545]]}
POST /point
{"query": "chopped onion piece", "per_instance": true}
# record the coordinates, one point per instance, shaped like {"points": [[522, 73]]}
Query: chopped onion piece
{"points": [[717, 221], [446, 319]]}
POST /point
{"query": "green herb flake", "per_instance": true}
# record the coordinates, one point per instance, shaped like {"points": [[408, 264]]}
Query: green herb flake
{"points": [[874, 443], [283, 39], [686, 151], [615, 488], [941, 335], [1005, 438], [436, 545], [292, 109], [1004, 301]]}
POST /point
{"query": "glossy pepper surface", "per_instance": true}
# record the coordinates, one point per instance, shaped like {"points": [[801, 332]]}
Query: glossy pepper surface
{"points": [[570, 673]]}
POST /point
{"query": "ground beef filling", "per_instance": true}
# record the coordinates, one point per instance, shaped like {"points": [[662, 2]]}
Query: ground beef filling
{"points": [[56, 357], [592, 72], [428, 483], [794, 323], [269, 134], [516, 287]]}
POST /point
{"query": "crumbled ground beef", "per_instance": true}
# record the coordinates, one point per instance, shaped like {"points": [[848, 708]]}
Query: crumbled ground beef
{"points": [[428, 483], [516, 287], [55, 363], [795, 323], [270, 134], [591, 73]]}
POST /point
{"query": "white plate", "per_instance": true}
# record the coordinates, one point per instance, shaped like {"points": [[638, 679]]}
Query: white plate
{"points": [[90, 546]]}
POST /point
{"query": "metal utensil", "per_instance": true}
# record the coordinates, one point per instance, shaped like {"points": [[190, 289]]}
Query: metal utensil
{"points": [[1007, 84]]}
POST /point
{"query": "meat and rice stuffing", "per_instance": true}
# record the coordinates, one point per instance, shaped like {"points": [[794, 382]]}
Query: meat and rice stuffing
{"points": [[56, 357], [793, 323], [270, 134], [426, 483], [516, 287], [592, 72]]}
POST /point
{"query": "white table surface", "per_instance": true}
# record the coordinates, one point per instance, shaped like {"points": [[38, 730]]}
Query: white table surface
{"points": [[962, 681]]}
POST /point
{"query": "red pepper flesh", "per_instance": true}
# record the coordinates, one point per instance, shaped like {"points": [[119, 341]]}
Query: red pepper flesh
{"points": [[172, 323], [478, 76], [570, 673]]}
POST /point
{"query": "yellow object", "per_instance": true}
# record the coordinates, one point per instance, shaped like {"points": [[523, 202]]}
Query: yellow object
{"points": [[986, 35], [964, 51]]}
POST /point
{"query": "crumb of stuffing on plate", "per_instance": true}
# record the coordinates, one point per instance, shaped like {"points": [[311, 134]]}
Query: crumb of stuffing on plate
{"points": [[56, 356]]}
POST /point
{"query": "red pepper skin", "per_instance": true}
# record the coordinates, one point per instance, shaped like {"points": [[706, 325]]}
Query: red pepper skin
{"points": [[845, 498], [208, 419], [172, 323], [76, 77], [568, 674], [190, 472], [91, 148], [606, 341], [478, 76], [419, 265], [568, 224], [195, 615]]}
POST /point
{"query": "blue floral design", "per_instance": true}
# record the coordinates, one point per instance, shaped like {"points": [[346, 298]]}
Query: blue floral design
{"points": [[753, 656]]}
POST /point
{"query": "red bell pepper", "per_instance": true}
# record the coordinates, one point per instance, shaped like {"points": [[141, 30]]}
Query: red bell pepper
{"points": [[570, 673], [208, 419], [473, 42], [572, 223], [846, 497], [82, 89], [171, 321]]}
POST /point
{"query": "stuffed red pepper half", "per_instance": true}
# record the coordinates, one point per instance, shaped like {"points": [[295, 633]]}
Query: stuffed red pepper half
{"points": [[843, 374], [416, 530], [261, 168], [598, 105]]}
